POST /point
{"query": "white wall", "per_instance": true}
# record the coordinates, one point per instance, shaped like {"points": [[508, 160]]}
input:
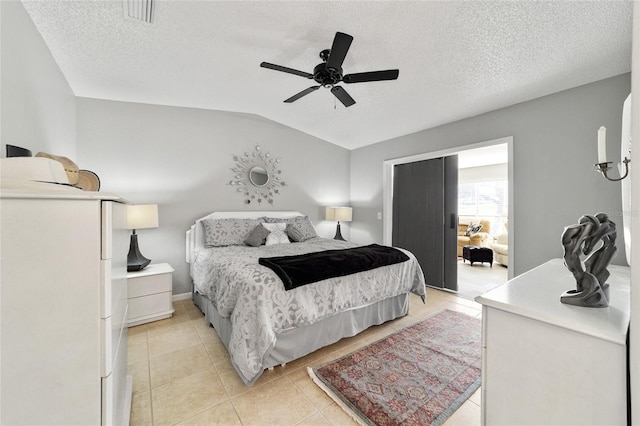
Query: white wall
{"points": [[181, 159], [554, 152], [37, 104]]}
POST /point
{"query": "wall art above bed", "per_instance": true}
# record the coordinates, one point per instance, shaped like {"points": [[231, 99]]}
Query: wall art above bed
{"points": [[257, 176]]}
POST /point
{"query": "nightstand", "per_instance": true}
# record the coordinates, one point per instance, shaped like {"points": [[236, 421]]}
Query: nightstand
{"points": [[150, 294]]}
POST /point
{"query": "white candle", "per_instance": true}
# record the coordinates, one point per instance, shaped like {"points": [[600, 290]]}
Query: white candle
{"points": [[602, 144]]}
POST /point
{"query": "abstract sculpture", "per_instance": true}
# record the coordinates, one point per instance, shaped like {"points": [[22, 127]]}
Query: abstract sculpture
{"points": [[583, 238]]}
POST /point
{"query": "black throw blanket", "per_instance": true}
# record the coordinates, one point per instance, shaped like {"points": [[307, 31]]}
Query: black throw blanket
{"points": [[296, 271]]}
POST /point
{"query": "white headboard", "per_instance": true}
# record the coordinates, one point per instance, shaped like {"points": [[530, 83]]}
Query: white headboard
{"points": [[195, 238]]}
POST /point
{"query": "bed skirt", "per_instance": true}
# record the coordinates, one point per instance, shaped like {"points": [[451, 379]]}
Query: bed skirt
{"points": [[297, 342]]}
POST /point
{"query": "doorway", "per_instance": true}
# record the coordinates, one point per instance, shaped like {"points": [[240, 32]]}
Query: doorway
{"points": [[483, 199], [388, 191]]}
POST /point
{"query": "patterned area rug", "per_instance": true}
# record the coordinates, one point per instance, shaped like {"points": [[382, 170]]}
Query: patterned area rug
{"points": [[417, 376]]}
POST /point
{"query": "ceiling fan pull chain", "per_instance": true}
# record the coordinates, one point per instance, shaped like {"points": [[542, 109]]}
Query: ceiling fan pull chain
{"points": [[334, 102]]}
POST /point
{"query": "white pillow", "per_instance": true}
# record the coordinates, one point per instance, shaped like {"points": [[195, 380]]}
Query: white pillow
{"points": [[277, 234], [300, 223]]}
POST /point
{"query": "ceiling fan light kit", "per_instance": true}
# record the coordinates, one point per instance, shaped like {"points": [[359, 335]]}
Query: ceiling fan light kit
{"points": [[329, 73]]}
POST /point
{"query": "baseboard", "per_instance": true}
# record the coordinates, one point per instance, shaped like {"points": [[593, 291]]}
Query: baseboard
{"points": [[182, 296], [150, 318]]}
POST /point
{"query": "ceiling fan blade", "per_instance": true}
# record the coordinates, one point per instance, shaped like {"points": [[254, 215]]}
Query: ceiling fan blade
{"points": [[285, 69], [362, 77], [342, 96], [301, 94], [339, 49]]}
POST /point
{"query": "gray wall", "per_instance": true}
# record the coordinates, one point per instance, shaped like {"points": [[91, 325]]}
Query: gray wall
{"points": [[37, 104], [181, 159], [554, 152]]}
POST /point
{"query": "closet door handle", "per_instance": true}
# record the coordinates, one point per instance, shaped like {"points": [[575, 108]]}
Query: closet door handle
{"points": [[453, 221]]}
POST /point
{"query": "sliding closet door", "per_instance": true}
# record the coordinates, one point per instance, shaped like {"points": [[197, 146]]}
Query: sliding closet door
{"points": [[418, 215], [423, 218]]}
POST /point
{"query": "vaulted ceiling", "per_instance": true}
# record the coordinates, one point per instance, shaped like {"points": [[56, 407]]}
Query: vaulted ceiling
{"points": [[456, 58]]}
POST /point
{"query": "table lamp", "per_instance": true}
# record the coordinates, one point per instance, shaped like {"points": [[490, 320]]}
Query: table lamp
{"points": [[339, 214], [141, 216]]}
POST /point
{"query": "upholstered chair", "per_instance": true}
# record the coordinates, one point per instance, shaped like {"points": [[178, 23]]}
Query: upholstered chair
{"points": [[477, 238], [500, 248]]}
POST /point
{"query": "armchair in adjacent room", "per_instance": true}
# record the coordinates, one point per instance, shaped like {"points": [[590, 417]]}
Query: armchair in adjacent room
{"points": [[500, 248], [472, 237]]}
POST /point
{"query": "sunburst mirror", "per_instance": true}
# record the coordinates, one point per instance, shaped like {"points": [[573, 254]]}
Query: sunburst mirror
{"points": [[257, 176]]}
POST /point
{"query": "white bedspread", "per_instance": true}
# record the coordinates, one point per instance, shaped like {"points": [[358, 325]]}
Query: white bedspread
{"points": [[253, 296]]}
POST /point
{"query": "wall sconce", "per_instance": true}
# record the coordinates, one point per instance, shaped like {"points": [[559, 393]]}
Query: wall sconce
{"points": [[141, 216], [603, 165], [339, 214]]}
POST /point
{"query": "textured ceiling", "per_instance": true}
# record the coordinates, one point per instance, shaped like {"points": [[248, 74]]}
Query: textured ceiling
{"points": [[456, 59]]}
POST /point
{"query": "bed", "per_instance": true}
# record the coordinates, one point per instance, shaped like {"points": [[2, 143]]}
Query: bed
{"points": [[264, 325]]}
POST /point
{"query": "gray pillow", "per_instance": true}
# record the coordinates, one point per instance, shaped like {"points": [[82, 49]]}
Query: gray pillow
{"points": [[294, 233], [257, 237], [227, 232], [301, 223]]}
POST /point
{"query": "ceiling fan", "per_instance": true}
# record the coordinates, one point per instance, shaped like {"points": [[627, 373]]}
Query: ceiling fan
{"points": [[329, 73]]}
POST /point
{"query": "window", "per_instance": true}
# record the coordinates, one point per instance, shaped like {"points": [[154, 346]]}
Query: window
{"points": [[487, 200]]}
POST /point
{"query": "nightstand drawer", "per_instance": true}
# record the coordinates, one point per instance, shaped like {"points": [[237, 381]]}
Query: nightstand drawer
{"points": [[150, 292], [149, 305], [151, 284]]}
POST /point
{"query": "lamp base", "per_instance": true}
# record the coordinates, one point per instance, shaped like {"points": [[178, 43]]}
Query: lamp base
{"points": [[338, 235], [135, 260]]}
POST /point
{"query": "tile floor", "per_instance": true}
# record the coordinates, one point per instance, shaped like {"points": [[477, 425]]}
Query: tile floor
{"points": [[182, 374], [479, 278]]}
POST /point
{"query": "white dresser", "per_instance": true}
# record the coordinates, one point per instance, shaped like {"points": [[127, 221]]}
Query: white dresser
{"points": [[63, 308], [548, 363]]}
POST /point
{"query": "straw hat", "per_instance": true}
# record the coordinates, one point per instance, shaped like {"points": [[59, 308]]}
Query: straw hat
{"points": [[83, 179], [69, 166], [88, 181]]}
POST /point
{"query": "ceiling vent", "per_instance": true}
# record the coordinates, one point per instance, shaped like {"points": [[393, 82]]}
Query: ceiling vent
{"points": [[141, 10]]}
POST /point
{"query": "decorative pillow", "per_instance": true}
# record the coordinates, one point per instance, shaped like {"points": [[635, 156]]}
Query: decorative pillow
{"points": [[301, 223], [227, 232], [294, 233], [257, 237], [473, 228], [277, 234]]}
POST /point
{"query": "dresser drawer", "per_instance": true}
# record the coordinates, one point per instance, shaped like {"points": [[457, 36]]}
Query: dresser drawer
{"points": [[115, 387], [108, 344], [114, 235]]}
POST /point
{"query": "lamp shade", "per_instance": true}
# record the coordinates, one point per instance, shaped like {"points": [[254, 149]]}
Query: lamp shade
{"points": [[142, 216], [339, 214], [330, 213], [343, 214]]}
